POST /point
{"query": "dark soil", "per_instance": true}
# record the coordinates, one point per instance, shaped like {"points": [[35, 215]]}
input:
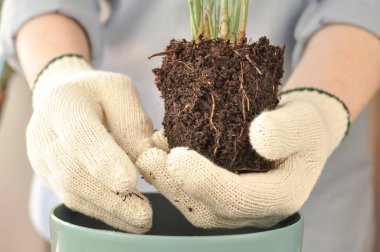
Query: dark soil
{"points": [[212, 91]]}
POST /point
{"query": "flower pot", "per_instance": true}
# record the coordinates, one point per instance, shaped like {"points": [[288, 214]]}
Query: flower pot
{"points": [[75, 232]]}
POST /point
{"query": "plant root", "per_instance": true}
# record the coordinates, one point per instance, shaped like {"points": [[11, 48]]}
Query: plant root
{"points": [[213, 125], [253, 64]]}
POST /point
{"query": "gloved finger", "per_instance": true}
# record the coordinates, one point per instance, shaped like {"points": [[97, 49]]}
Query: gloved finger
{"points": [[133, 205], [152, 165], [238, 196], [160, 141], [126, 118], [82, 192], [81, 132], [291, 128]]}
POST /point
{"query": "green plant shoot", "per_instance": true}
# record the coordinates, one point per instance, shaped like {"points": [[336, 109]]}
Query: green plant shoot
{"points": [[226, 19]]}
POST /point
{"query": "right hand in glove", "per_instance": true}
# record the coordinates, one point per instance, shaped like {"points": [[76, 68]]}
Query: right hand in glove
{"points": [[87, 129], [301, 134]]}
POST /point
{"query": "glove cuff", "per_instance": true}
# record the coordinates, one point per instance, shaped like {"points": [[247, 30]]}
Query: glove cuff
{"points": [[333, 110], [61, 66], [57, 70]]}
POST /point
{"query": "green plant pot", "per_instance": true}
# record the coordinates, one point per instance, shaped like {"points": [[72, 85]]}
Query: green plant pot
{"points": [[75, 232]]}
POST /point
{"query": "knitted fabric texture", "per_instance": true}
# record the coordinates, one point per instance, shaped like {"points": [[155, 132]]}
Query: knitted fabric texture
{"points": [[300, 134], [86, 130]]}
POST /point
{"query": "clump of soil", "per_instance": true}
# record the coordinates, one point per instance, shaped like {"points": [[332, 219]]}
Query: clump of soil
{"points": [[212, 91]]}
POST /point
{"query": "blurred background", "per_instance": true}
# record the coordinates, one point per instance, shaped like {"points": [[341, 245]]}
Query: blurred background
{"points": [[16, 231]]}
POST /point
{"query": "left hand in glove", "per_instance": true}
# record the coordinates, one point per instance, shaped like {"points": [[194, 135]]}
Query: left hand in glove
{"points": [[301, 133]]}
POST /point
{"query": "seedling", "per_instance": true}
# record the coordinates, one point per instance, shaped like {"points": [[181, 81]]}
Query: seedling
{"points": [[216, 84]]}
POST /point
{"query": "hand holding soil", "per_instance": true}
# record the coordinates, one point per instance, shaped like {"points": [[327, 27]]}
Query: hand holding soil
{"points": [[220, 114], [301, 134]]}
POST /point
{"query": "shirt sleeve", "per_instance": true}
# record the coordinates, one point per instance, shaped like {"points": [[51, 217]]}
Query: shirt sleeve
{"points": [[15, 13], [318, 13]]}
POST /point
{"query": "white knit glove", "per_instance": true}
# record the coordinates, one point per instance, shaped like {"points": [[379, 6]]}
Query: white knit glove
{"points": [[301, 134], [87, 128]]}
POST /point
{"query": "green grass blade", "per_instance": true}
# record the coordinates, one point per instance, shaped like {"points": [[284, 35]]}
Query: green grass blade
{"points": [[209, 11], [192, 20], [197, 13], [217, 17], [225, 20], [200, 30], [235, 22], [243, 21]]}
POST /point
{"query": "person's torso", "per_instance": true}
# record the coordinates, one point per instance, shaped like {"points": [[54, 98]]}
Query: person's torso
{"points": [[338, 213]]}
